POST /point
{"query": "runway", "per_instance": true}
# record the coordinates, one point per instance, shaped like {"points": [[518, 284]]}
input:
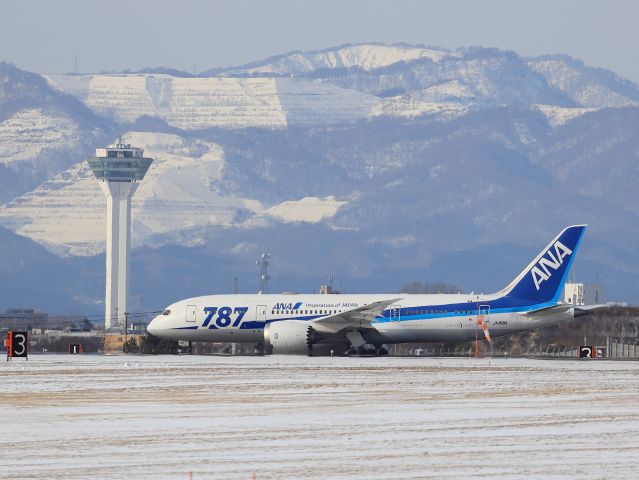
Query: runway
{"points": [[161, 417]]}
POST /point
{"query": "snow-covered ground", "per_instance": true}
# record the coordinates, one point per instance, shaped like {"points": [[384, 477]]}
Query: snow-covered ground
{"points": [[298, 417]]}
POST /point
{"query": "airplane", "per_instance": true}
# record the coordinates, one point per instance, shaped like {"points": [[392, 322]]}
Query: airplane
{"points": [[365, 324]]}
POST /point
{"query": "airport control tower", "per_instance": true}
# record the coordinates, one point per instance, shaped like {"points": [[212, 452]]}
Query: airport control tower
{"points": [[118, 168]]}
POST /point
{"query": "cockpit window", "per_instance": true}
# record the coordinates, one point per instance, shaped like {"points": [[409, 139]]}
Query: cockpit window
{"points": [[166, 312]]}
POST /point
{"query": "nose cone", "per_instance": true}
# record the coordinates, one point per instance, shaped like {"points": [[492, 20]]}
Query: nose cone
{"points": [[154, 327]]}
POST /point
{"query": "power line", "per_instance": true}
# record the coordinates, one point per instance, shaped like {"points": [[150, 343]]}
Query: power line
{"points": [[74, 318]]}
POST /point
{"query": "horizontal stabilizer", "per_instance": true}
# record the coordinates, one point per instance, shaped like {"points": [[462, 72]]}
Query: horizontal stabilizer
{"points": [[581, 310], [553, 309], [578, 310]]}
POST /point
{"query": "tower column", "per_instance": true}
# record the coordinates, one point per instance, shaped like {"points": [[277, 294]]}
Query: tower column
{"points": [[118, 168]]}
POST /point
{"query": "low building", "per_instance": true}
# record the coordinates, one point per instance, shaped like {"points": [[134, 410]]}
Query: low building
{"points": [[584, 294], [328, 290]]}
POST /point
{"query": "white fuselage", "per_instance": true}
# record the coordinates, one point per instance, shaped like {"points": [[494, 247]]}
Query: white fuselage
{"points": [[412, 318]]}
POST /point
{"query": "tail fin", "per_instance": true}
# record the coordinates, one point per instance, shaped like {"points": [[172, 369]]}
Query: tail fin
{"points": [[544, 278]]}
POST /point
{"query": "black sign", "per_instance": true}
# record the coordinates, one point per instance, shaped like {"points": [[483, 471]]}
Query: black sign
{"points": [[75, 348], [18, 345], [587, 351]]}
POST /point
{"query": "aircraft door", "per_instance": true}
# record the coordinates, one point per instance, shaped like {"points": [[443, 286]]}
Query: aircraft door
{"points": [[395, 313], [483, 314], [191, 313], [260, 313]]}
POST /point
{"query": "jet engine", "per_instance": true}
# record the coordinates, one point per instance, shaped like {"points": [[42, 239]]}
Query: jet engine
{"points": [[289, 336]]}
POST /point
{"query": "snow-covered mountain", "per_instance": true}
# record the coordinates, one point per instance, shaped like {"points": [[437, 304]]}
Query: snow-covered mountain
{"points": [[379, 164], [492, 75]]}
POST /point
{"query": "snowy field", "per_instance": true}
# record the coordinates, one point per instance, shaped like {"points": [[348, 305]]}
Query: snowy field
{"points": [[107, 417]]}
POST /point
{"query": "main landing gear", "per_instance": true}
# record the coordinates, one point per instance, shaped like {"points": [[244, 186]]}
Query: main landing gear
{"points": [[361, 348], [368, 350]]}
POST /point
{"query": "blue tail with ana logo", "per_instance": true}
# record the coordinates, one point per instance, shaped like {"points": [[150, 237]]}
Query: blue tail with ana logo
{"points": [[543, 280]]}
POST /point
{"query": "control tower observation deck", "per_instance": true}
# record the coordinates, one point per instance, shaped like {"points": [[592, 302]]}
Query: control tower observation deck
{"points": [[118, 168]]}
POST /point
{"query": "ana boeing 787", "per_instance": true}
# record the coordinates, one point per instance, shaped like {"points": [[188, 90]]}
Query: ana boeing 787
{"points": [[295, 323]]}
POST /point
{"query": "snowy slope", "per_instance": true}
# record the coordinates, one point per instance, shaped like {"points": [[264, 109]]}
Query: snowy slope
{"points": [[308, 209], [449, 99], [29, 133], [560, 115], [65, 214], [197, 103], [587, 86]]}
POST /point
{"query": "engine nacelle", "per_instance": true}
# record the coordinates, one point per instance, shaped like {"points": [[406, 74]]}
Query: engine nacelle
{"points": [[288, 336]]}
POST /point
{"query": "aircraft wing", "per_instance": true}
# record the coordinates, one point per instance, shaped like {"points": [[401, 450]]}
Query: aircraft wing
{"points": [[357, 317]]}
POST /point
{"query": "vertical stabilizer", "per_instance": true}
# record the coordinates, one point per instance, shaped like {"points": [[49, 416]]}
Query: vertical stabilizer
{"points": [[543, 279]]}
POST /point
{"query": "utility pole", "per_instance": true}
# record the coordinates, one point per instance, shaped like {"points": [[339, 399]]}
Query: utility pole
{"points": [[126, 328], [236, 285]]}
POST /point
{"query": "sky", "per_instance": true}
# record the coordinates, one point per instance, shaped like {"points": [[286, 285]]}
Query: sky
{"points": [[46, 37]]}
